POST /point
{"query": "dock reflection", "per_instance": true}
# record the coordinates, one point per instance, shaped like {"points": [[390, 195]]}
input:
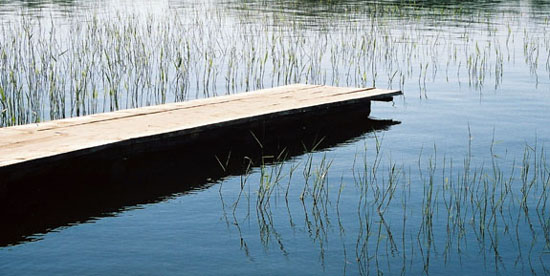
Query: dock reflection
{"points": [[39, 200]]}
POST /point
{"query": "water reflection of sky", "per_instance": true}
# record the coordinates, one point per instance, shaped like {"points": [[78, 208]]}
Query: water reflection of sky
{"points": [[440, 107]]}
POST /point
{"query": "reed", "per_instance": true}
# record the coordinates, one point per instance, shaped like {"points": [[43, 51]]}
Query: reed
{"points": [[64, 66], [418, 216]]}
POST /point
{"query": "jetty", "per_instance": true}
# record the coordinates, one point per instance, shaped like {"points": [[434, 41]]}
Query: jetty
{"points": [[67, 171], [41, 145]]}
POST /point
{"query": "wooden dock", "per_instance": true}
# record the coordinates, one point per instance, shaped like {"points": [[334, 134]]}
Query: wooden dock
{"points": [[36, 144]]}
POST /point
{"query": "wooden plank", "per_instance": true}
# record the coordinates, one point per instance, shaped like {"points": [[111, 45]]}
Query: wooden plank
{"points": [[39, 141]]}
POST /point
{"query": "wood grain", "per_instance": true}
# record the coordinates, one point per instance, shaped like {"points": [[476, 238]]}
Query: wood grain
{"points": [[25, 143]]}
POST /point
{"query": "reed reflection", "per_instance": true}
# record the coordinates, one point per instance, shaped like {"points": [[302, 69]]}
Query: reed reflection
{"points": [[114, 179]]}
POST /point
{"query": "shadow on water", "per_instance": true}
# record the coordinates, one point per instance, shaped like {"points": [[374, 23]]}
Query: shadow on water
{"points": [[39, 3], [330, 14], [111, 180], [33, 5], [313, 7]]}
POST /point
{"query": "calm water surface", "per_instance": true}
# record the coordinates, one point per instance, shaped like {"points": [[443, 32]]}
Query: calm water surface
{"points": [[460, 185]]}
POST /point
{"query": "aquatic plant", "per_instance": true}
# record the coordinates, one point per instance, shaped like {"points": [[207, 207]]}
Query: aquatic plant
{"points": [[435, 211], [62, 67]]}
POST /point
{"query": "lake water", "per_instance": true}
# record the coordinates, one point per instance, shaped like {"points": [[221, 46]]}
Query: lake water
{"points": [[458, 181]]}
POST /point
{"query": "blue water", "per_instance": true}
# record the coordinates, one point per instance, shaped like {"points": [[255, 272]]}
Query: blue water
{"points": [[217, 230]]}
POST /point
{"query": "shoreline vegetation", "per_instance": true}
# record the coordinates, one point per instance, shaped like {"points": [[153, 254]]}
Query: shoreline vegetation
{"points": [[52, 68], [452, 206]]}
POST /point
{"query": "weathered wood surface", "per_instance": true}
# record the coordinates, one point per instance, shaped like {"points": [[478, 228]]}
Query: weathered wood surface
{"points": [[25, 143]]}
